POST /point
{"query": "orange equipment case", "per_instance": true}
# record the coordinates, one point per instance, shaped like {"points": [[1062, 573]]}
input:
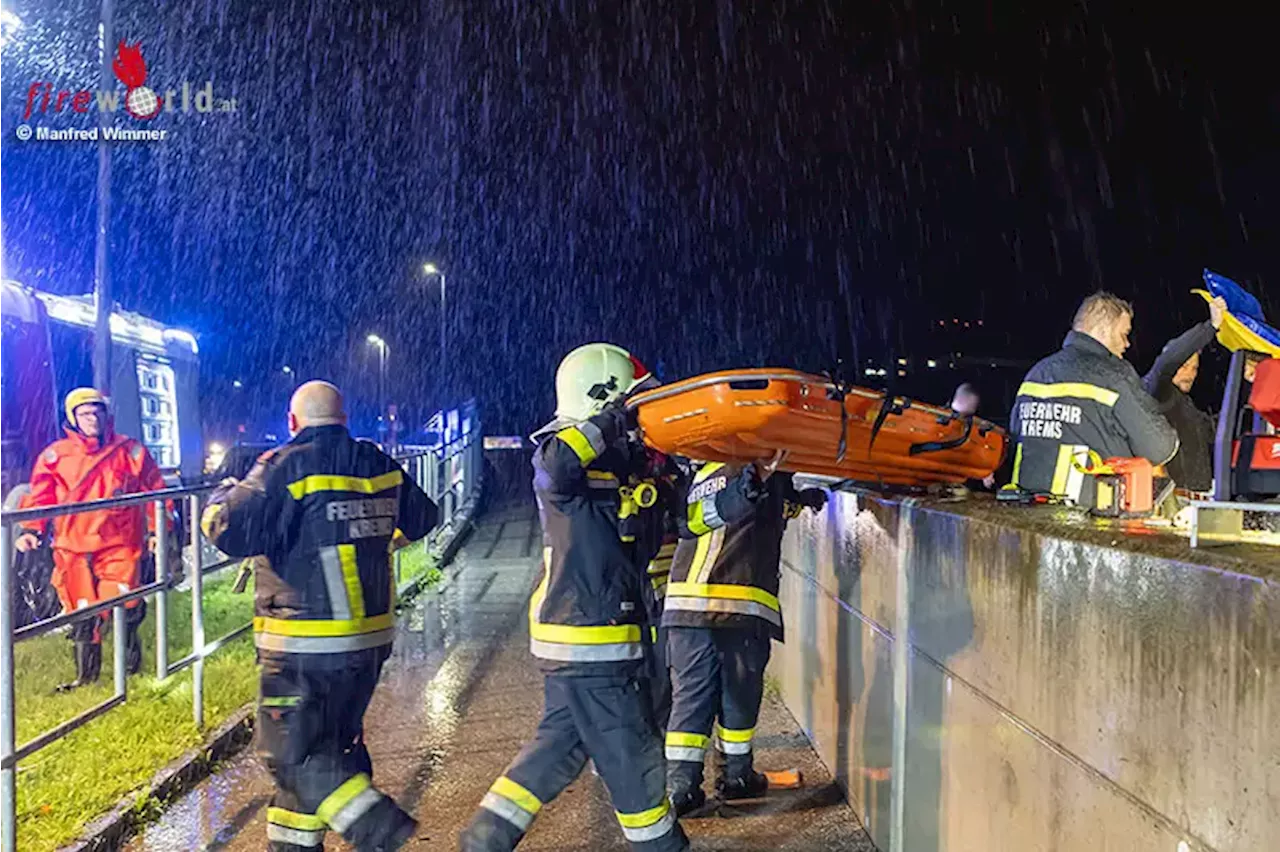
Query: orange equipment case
{"points": [[749, 415]]}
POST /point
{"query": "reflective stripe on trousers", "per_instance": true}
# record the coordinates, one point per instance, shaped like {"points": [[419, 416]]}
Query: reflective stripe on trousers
{"points": [[648, 825], [348, 803], [691, 748], [297, 829], [512, 802]]}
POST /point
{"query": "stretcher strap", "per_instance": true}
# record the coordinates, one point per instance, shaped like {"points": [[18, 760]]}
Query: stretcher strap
{"points": [[938, 446]]}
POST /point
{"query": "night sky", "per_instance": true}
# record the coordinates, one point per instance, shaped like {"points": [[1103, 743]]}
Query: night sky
{"points": [[710, 184]]}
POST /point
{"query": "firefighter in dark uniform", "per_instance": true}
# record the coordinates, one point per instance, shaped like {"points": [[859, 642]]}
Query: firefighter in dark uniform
{"points": [[721, 614], [1083, 403], [650, 522], [585, 622], [322, 510]]}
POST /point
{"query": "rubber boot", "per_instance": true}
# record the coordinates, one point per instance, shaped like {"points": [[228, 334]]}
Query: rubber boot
{"points": [[88, 656], [736, 778], [133, 649], [488, 832], [684, 786], [385, 827]]}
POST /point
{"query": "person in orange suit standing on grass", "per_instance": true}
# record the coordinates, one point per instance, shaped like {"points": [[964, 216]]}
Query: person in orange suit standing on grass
{"points": [[96, 555]]}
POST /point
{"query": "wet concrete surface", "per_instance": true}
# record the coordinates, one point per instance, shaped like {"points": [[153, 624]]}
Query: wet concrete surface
{"points": [[457, 700]]}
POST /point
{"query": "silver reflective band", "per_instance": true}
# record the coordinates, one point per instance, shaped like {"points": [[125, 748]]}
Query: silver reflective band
{"points": [[710, 516], [594, 436], [508, 810], [733, 748], [354, 809], [334, 583], [688, 754], [295, 836], [586, 653], [323, 644], [609, 484], [651, 832], [725, 605]]}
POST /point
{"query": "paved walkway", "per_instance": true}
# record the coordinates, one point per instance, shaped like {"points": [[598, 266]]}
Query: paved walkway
{"points": [[458, 699]]}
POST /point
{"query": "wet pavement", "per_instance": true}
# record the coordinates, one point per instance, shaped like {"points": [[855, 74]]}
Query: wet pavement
{"points": [[460, 696]]}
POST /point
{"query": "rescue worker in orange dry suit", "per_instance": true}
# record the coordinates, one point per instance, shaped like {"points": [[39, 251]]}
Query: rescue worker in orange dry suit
{"points": [[96, 555]]}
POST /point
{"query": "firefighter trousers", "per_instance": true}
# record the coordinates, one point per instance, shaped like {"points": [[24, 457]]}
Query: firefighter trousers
{"points": [[659, 678], [717, 675], [603, 718], [311, 737]]}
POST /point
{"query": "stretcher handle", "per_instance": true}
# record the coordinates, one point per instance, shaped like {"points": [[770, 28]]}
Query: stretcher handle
{"points": [[938, 446]]}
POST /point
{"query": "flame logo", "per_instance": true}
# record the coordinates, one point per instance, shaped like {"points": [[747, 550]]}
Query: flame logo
{"points": [[129, 66]]}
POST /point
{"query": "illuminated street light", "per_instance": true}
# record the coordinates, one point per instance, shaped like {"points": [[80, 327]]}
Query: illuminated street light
{"points": [[431, 269], [237, 384], [383, 351], [287, 370]]}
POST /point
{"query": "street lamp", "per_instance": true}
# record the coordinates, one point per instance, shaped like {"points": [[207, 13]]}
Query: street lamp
{"points": [[383, 351], [431, 269]]}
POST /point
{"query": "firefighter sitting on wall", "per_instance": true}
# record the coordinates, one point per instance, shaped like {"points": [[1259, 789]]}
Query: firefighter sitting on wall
{"points": [[96, 555], [585, 622], [1085, 399], [322, 509], [721, 614]]}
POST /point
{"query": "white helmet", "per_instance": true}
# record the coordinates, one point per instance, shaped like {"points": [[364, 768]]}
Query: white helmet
{"points": [[592, 376]]}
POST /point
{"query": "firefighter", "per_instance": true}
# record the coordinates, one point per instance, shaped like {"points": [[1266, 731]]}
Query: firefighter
{"points": [[322, 510], [721, 613], [585, 621], [96, 555], [1085, 401], [656, 500]]}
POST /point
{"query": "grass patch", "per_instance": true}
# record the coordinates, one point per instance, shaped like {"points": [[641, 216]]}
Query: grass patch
{"points": [[416, 564], [68, 784]]}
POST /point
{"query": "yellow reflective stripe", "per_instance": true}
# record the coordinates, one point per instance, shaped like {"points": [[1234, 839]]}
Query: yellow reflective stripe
{"points": [[1079, 390], [570, 634], [1062, 469], [293, 819], [743, 736], [513, 792], [653, 635], [706, 471], [1017, 465], [677, 738], [723, 590], [351, 579], [579, 443], [333, 482], [697, 525], [341, 797], [644, 819], [659, 580], [600, 474], [323, 627]]}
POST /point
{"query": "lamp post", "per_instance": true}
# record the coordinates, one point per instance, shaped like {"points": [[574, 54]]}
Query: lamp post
{"points": [[383, 350], [431, 269]]}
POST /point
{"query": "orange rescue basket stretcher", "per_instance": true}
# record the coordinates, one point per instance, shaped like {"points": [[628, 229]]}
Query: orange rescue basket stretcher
{"points": [[742, 416]]}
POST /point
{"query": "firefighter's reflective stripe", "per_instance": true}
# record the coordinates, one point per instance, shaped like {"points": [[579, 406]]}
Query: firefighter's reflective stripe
{"points": [[705, 554], [298, 829], [1078, 390], [348, 803], [572, 643], [724, 597], [701, 515], [512, 802], [1017, 465], [342, 581], [318, 483], [687, 747], [586, 440], [602, 480], [1068, 478], [735, 741], [659, 582], [648, 825], [323, 636]]}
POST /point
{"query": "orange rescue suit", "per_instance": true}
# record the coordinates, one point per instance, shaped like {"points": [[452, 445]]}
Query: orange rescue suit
{"points": [[103, 547]]}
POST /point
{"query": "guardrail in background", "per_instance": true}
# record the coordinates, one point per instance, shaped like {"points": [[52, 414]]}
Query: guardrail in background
{"points": [[449, 473]]}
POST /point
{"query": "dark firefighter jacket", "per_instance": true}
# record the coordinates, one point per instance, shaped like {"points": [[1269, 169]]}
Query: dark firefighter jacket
{"points": [[322, 510], [1192, 467], [725, 571], [650, 505], [1081, 399], [585, 616]]}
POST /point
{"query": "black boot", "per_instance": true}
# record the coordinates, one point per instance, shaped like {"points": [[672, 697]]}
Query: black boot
{"points": [[133, 643], [744, 785], [88, 657], [684, 786]]}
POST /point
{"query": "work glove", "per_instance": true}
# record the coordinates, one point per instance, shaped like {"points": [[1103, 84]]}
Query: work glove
{"points": [[618, 420], [812, 498], [752, 483]]}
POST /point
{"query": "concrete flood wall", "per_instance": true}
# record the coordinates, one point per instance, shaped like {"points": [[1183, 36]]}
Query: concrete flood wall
{"points": [[1060, 694]]}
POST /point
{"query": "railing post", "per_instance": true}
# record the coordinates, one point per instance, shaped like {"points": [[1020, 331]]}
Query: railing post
{"points": [[8, 777], [162, 596], [119, 650], [197, 613], [901, 679]]}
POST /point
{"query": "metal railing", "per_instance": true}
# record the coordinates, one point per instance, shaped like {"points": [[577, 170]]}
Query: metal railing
{"points": [[10, 752]]}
